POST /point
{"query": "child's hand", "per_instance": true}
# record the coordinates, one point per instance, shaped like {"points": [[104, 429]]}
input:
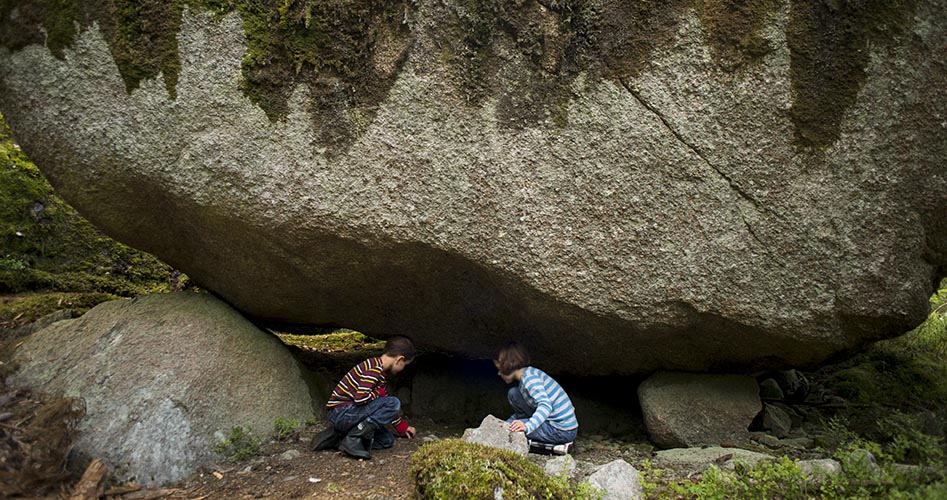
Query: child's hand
{"points": [[410, 432], [517, 426]]}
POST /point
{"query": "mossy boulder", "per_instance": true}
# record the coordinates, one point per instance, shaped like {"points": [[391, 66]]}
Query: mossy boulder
{"points": [[627, 186], [163, 378], [456, 469]]}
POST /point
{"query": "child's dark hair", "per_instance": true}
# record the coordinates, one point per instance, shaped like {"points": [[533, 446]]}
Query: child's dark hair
{"points": [[511, 357], [400, 346]]}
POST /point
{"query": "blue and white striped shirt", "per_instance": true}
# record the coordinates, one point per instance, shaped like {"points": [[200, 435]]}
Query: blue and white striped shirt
{"points": [[552, 403]]}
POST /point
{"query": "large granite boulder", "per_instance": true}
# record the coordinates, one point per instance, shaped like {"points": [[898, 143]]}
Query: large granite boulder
{"points": [[625, 186], [164, 378]]}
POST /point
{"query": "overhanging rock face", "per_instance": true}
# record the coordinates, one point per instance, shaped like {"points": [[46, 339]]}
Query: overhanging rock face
{"points": [[622, 190]]}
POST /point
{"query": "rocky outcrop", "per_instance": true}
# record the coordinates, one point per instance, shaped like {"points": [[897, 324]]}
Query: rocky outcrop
{"points": [[164, 378], [682, 409], [693, 186]]}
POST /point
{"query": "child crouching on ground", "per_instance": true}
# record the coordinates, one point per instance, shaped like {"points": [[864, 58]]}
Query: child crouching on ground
{"points": [[360, 407], [541, 408]]}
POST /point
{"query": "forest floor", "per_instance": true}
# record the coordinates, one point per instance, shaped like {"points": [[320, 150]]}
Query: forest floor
{"points": [[284, 470]]}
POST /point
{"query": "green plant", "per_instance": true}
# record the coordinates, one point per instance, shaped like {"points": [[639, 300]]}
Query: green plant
{"points": [[283, 429], [651, 479], [783, 479], [906, 444], [12, 264], [240, 445]]}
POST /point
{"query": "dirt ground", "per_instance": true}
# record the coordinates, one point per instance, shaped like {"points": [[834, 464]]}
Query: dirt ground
{"points": [[291, 470], [332, 474]]}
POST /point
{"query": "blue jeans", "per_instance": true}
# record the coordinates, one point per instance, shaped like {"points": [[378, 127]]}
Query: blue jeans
{"points": [[546, 432], [380, 412]]}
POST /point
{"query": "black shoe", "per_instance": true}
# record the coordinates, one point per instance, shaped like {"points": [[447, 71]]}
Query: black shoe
{"points": [[328, 439], [354, 442]]}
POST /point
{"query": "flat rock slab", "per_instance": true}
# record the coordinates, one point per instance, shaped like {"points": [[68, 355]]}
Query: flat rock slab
{"points": [[493, 432], [163, 379], [701, 458]]}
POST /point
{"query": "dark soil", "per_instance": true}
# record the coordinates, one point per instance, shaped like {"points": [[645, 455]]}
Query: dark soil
{"points": [[323, 474], [332, 474]]}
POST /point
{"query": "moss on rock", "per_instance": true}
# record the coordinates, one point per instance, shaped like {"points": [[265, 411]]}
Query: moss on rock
{"points": [[733, 28], [142, 36], [830, 44], [457, 469], [349, 52], [48, 246]]}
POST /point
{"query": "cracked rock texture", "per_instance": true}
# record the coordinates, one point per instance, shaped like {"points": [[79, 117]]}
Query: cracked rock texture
{"points": [[163, 379], [660, 213]]}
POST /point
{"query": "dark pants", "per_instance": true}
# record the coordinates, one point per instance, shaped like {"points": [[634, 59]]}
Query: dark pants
{"points": [[380, 412], [546, 432]]}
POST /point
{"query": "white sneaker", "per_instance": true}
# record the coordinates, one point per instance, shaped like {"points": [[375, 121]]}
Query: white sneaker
{"points": [[562, 449]]}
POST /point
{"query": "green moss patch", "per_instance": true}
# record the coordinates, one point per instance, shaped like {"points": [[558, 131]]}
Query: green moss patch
{"points": [[340, 341], [457, 469], [733, 28], [22, 309], [48, 246], [142, 36]]}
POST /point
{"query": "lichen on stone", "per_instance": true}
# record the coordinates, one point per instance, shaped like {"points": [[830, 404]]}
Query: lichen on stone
{"points": [[142, 36]]}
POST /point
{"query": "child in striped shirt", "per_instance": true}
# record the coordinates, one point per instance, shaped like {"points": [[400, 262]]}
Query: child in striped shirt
{"points": [[360, 407], [541, 408]]}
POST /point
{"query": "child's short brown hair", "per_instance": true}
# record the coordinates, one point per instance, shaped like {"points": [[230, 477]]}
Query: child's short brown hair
{"points": [[511, 357], [400, 345]]}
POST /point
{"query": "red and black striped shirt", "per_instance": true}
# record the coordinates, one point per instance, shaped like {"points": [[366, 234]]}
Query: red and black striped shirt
{"points": [[363, 383]]}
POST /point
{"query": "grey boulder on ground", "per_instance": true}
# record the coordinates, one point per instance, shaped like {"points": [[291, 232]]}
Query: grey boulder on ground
{"points": [[618, 480], [493, 432], [684, 409], [672, 187], [164, 378], [776, 421]]}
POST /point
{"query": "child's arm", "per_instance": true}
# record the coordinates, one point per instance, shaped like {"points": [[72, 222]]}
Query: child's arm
{"points": [[403, 429], [537, 391]]}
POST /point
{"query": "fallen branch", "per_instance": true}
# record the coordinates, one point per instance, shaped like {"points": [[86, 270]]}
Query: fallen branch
{"points": [[92, 484], [150, 494], [121, 490]]}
